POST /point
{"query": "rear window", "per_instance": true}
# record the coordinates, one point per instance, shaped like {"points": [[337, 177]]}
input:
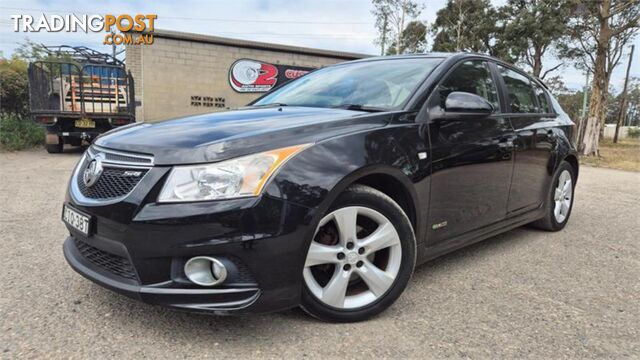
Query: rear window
{"points": [[520, 92], [543, 104]]}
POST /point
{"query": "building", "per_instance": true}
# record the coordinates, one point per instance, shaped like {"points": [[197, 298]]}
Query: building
{"points": [[182, 73]]}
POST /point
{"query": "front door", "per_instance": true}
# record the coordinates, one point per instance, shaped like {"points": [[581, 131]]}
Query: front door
{"points": [[472, 158]]}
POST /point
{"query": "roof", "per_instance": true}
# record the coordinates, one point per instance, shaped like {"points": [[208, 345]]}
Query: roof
{"points": [[210, 39]]}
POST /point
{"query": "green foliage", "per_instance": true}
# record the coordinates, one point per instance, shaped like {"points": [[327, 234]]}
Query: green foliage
{"points": [[531, 28], [391, 21], [466, 25], [414, 39], [633, 133], [571, 103], [30, 51], [599, 30], [633, 102], [17, 133], [14, 86]]}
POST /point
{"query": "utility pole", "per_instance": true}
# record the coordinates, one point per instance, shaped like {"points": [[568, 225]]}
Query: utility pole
{"points": [[585, 92], [583, 116], [623, 103], [113, 44], [385, 24]]}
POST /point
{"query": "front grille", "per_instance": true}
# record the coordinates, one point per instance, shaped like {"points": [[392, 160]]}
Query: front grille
{"points": [[122, 171], [126, 158], [114, 264], [120, 157], [113, 183]]}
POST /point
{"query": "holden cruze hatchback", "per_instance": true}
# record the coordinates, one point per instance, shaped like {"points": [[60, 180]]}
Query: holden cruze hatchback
{"points": [[326, 192]]}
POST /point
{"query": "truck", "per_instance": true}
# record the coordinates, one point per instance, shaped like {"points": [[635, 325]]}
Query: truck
{"points": [[78, 93]]}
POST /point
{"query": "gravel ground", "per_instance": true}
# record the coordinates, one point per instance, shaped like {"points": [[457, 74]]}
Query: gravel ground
{"points": [[525, 294]]}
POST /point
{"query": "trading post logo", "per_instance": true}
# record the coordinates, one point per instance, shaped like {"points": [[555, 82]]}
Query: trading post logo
{"points": [[125, 24]]}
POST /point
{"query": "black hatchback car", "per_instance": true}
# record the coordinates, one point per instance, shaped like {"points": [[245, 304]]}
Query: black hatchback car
{"points": [[326, 192]]}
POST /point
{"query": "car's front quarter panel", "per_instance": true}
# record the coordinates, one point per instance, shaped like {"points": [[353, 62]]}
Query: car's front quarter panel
{"points": [[315, 177]]}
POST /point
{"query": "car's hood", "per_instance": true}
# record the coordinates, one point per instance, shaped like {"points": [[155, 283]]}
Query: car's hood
{"points": [[223, 135]]}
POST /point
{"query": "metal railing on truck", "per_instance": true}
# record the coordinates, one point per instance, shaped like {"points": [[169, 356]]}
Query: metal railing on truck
{"points": [[57, 87]]}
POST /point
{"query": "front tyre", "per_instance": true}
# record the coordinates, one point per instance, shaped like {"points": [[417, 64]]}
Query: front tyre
{"points": [[360, 259], [559, 201]]}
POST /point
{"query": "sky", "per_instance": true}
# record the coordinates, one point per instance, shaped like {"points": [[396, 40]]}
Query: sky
{"points": [[345, 25]]}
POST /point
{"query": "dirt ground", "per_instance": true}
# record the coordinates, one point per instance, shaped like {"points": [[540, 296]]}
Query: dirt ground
{"points": [[523, 294], [624, 155]]}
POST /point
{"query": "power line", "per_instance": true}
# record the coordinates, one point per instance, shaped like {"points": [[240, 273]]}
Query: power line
{"points": [[213, 19]]}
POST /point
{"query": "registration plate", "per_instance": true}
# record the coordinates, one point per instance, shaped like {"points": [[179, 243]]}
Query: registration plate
{"points": [[85, 123], [76, 220]]}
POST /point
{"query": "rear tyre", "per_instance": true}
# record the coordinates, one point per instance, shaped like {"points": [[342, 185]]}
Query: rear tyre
{"points": [[55, 148], [360, 259], [559, 201]]}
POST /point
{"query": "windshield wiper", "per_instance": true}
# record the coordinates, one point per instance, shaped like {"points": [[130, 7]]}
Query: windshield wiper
{"points": [[360, 107]]}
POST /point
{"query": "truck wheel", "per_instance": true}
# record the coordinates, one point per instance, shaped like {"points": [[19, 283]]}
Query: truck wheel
{"points": [[55, 148]]}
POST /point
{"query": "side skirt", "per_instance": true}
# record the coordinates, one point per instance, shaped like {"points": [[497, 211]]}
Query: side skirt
{"points": [[486, 232]]}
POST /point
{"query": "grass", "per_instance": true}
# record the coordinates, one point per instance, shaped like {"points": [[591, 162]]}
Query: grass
{"points": [[17, 133], [625, 155]]}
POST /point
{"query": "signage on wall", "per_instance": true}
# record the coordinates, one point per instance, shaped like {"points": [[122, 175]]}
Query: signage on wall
{"points": [[253, 76]]}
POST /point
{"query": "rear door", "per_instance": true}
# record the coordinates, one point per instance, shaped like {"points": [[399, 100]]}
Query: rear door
{"points": [[533, 122], [471, 157]]}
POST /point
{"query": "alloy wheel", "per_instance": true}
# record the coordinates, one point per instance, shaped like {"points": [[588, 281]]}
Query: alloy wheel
{"points": [[354, 258], [562, 197]]}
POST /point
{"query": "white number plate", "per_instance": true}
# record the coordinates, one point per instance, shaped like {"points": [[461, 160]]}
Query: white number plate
{"points": [[76, 220]]}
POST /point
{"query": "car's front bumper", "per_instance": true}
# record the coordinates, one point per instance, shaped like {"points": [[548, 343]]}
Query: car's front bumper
{"points": [[262, 241], [219, 301]]}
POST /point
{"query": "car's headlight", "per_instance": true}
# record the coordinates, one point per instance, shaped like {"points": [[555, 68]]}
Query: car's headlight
{"points": [[240, 177]]}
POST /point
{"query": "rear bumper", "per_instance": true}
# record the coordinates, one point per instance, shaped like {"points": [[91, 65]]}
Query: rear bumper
{"points": [[220, 301]]}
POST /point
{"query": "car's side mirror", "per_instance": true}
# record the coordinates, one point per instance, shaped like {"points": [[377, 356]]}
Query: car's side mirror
{"points": [[459, 102]]}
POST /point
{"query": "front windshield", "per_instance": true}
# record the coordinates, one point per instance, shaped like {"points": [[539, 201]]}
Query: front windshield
{"points": [[380, 84]]}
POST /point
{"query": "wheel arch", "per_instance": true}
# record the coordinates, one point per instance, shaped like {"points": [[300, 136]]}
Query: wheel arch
{"points": [[395, 189], [391, 182], [572, 159]]}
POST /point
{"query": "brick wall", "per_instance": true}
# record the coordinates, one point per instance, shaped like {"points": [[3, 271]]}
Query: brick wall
{"points": [[169, 72]]}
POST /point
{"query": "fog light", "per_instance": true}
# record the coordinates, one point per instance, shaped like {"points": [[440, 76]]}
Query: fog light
{"points": [[205, 271]]}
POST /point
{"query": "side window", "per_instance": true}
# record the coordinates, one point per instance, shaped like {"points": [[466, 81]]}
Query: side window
{"points": [[473, 77], [543, 104], [520, 92]]}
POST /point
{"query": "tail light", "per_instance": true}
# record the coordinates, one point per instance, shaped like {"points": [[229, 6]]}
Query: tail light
{"points": [[119, 122], [46, 120]]}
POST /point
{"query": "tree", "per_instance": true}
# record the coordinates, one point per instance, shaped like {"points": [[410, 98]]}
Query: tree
{"points": [[556, 85], [391, 16], [14, 86], [30, 51], [14, 79], [597, 35], [531, 28], [571, 103], [466, 25], [414, 39], [633, 103], [632, 108]]}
